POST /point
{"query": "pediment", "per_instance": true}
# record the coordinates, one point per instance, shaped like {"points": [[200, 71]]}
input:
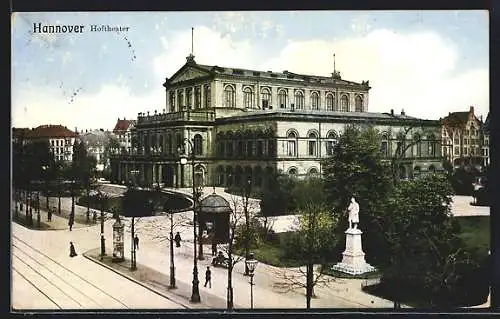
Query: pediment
{"points": [[188, 74]]}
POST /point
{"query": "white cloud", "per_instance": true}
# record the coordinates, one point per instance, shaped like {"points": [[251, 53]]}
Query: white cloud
{"points": [[48, 106], [417, 72], [210, 47]]}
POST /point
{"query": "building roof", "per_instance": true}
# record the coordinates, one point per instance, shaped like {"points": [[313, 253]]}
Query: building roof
{"points": [[214, 204], [51, 131], [486, 124], [284, 75], [20, 132], [457, 119], [122, 125], [95, 137]]}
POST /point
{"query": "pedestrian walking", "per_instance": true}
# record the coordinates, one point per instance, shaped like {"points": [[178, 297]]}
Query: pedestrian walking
{"points": [[49, 215], [214, 246], [70, 223], [72, 251], [177, 240], [208, 277], [136, 242], [94, 216]]}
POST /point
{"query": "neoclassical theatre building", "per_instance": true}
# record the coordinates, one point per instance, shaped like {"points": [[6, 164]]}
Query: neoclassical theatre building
{"points": [[245, 125]]}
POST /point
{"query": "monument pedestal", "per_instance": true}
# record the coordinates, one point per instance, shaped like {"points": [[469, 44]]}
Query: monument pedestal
{"points": [[353, 260]]}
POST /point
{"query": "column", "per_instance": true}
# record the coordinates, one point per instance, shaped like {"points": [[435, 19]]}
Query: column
{"points": [[143, 173], [153, 171], [160, 173], [175, 171], [119, 172], [184, 97]]}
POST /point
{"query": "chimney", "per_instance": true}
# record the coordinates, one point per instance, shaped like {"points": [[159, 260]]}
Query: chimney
{"points": [[392, 111], [403, 112], [471, 109]]}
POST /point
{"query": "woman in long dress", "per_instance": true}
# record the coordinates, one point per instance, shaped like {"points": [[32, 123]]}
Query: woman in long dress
{"points": [[72, 252]]}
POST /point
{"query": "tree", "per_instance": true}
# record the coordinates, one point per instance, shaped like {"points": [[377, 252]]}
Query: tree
{"points": [[276, 197], [406, 138], [235, 252], [356, 169], [315, 236], [422, 238], [110, 147]]}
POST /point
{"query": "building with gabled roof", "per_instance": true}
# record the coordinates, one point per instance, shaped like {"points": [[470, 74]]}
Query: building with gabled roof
{"points": [[247, 125], [122, 131], [59, 137], [465, 142]]}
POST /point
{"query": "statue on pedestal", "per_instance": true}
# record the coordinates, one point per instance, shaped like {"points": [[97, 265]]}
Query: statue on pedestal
{"points": [[353, 211]]}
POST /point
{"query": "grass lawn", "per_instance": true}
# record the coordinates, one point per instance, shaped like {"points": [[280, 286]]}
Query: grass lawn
{"points": [[272, 253], [476, 231]]}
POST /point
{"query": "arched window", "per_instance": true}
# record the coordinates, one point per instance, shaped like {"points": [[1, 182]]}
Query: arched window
{"points": [[207, 94], [257, 173], [292, 144], [229, 175], [330, 102], [198, 144], [384, 146], [359, 104], [260, 148], [292, 172], [432, 169], [332, 139], [344, 104], [313, 172], [315, 101], [229, 96], [189, 96], [299, 100], [418, 144], [172, 102], [312, 144], [402, 172], [248, 98], [161, 145], [282, 99], [431, 142], [220, 176], [169, 144], [229, 148], [180, 99], [265, 96]]}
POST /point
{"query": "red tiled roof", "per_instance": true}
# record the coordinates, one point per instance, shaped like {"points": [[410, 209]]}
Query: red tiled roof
{"points": [[20, 131], [122, 125], [47, 131]]}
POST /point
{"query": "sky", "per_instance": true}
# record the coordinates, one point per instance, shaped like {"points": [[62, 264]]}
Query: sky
{"points": [[428, 63]]}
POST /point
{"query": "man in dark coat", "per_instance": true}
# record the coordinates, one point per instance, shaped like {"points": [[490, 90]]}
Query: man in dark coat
{"points": [[72, 252], [208, 277], [177, 240], [136, 242]]}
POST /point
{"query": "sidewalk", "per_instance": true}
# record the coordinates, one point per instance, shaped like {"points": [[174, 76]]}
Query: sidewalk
{"points": [[158, 282], [57, 223]]}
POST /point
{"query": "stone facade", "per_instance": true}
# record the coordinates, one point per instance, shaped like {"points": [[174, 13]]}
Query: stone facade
{"points": [[465, 140], [245, 124]]}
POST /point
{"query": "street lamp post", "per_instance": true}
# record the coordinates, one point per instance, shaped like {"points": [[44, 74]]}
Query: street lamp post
{"points": [[246, 195], [251, 264], [172, 265], [102, 198], [45, 169], [195, 295]]}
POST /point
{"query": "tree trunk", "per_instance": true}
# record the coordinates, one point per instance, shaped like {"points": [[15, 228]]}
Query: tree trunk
{"points": [[230, 278], [88, 204], [309, 284]]}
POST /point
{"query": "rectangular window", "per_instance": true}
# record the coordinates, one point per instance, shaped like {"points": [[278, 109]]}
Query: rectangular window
{"points": [[465, 151], [197, 97], [291, 148], [189, 96], [384, 148], [456, 140], [457, 150], [207, 95], [312, 148]]}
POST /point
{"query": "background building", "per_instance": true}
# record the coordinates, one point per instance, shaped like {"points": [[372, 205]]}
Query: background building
{"points": [[122, 131], [246, 125], [59, 137], [465, 139], [96, 142]]}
